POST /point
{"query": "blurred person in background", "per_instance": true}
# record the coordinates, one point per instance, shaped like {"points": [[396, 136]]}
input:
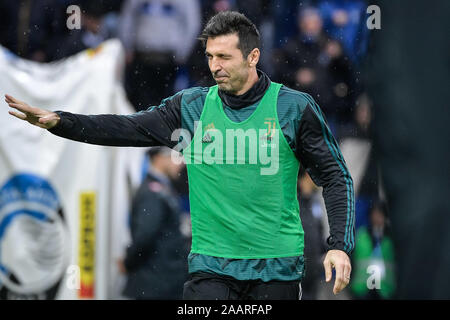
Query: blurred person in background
{"points": [[297, 62], [155, 261], [158, 36], [32, 28], [345, 21], [285, 19], [360, 127], [256, 10], [92, 33], [357, 147], [311, 213], [313, 63], [342, 87], [373, 259]]}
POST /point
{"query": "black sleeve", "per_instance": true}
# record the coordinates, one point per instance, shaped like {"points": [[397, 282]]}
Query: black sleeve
{"points": [[152, 127], [319, 152], [148, 214]]}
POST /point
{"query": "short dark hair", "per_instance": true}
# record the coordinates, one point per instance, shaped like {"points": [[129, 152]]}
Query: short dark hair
{"points": [[229, 22]]}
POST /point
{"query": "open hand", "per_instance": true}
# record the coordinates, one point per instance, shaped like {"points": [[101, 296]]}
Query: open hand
{"points": [[38, 117]]}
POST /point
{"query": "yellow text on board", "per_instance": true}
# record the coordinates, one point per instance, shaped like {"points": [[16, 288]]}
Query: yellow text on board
{"points": [[86, 245]]}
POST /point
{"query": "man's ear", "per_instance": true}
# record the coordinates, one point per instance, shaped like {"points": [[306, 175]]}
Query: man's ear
{"points": [[253, 57]]}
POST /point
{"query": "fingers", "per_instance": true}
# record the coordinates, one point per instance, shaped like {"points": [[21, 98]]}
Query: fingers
{"points": [[23, 107], [11, 99], [328, 273], [38, 117], [340, 282], [347, 271], [16, 103], [21, 116], [343, 271]]}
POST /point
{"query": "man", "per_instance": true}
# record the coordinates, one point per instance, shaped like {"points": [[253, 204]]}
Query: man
{"points": [[247, 238], [155, 261]]}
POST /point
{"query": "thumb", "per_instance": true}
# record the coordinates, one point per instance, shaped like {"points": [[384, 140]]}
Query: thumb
{"points": [[49, 119], [45, 119]]}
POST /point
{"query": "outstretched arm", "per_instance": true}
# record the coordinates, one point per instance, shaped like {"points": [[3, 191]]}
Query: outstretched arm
{"points": [[152, 127]]}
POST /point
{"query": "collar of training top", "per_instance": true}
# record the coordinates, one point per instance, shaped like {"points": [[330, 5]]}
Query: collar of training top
{"points": [[250, 97]]}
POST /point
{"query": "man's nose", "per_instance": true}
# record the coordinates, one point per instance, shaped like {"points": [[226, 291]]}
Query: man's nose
{"points": [[215, 65]]}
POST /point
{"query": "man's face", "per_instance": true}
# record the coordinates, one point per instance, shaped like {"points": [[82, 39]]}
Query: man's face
{"points": [[225, 60]]}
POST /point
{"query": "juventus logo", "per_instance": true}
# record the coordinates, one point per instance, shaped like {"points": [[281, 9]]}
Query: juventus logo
{"points": [[271, 124]]}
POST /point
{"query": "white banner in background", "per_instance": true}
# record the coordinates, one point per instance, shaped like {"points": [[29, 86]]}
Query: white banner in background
{"points": [[63, 204]]}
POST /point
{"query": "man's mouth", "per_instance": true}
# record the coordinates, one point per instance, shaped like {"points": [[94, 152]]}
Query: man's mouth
{"points": [[220, 79], [220, 75]]}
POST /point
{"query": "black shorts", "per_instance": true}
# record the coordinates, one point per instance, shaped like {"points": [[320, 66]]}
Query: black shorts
{"points": [[206, 286]]}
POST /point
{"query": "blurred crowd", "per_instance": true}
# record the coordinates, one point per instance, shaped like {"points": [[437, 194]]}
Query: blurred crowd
{"points": [[315, 46]]}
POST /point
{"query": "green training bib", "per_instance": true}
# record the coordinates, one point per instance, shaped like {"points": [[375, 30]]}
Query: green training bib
{"points": [[243, 184]]}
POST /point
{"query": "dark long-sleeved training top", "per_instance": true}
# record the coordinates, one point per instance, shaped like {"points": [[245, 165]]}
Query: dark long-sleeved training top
{"points": [[301, 120]]}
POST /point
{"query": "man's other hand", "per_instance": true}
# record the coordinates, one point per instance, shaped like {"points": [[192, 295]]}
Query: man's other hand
{"points": [[38, 117], [340, 261]]}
